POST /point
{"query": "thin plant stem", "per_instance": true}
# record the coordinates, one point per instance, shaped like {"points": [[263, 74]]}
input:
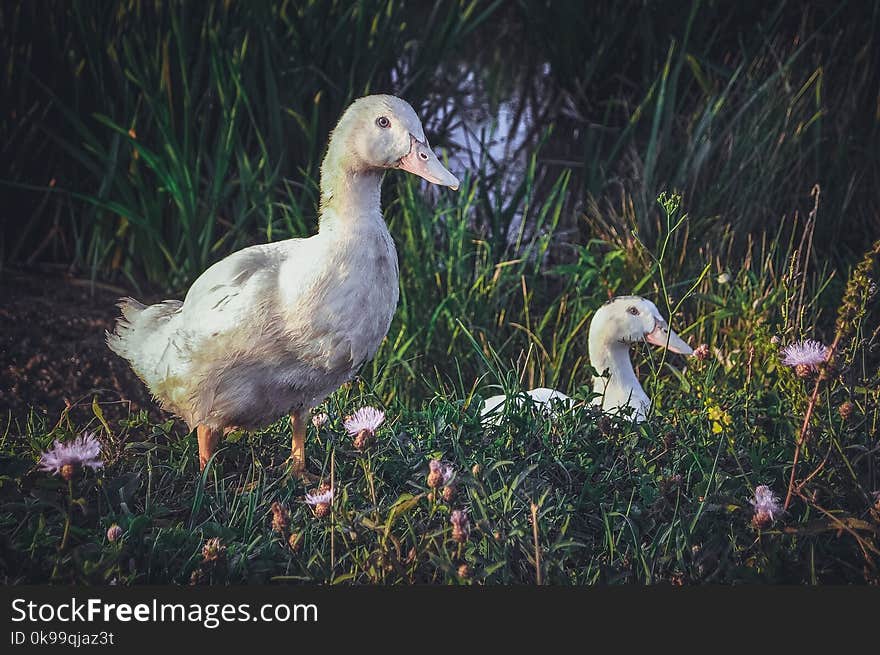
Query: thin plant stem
{"points": [[332, 515], [368, 472], [814, 397], [67, 518], [66, 534], [538, 577]]}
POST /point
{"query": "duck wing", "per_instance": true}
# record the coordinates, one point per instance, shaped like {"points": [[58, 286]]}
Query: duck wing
{"points": [[229, 294], [227, 309]]}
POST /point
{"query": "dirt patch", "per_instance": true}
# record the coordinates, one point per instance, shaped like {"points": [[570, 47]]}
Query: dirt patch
{"points": [[52, 350]]}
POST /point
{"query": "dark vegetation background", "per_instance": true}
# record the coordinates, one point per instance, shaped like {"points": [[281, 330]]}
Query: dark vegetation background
{"points": [[742, 106]]}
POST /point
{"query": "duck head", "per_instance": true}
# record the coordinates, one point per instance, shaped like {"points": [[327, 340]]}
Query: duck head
{"points": [[381, 132], [620, 322], [630, 319]]}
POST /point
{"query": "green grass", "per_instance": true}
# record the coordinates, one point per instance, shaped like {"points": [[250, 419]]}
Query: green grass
{"points": [[199, 132]]}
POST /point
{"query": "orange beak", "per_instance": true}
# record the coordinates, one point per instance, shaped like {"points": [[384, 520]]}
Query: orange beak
{"points": [[422, 161], [665, 338]]}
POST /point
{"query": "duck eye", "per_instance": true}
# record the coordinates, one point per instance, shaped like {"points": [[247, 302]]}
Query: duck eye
{"points": [[633, 310], [383, 122]]}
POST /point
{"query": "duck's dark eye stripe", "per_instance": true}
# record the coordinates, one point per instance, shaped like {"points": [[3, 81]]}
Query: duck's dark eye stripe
{"points": [[383, 121]]}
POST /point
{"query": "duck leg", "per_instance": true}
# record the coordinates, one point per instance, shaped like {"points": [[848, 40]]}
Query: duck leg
{"points": [[298, 448], [208, 440]]}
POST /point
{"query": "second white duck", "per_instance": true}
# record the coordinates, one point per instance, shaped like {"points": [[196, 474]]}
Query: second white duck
{"points": [[619, 323]]}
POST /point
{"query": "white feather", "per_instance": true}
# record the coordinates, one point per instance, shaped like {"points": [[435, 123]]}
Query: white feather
{"points": [[544, 399]]}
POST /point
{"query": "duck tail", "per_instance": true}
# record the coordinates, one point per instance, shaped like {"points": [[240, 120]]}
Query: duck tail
{"points": [[135, 328], [118, 340]]}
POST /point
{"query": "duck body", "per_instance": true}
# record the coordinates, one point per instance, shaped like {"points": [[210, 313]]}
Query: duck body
{"points": [[543, 398], [276, 328], [270, 329]]}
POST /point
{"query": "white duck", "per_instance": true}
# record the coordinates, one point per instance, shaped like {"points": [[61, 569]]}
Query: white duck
{"points": [[276, 328], [618, 324]]}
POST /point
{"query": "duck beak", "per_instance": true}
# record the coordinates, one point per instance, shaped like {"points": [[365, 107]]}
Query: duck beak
{"points": [[422, 161], [665, 338]]}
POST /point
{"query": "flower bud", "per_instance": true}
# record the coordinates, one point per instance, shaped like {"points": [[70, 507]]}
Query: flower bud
{"points": [[701, 352], [213, 550], [280, 517], [67, 471], [114, 533]]}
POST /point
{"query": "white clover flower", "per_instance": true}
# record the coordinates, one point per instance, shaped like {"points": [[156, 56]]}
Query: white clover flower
{"points": [[322, 498], [64, 458], [366, 418], [461, 525], [807, 353], [440, 474], [766, 506]]}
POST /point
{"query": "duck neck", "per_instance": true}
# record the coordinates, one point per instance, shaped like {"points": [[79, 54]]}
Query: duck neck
{"points": [[613, 356], [350, 196]]}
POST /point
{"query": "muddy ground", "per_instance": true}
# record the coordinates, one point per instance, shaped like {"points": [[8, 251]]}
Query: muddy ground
{"points": [[52, 350]]}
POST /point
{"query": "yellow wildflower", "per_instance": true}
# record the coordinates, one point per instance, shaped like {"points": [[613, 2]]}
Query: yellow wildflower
{"points": [[720, 419]]}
